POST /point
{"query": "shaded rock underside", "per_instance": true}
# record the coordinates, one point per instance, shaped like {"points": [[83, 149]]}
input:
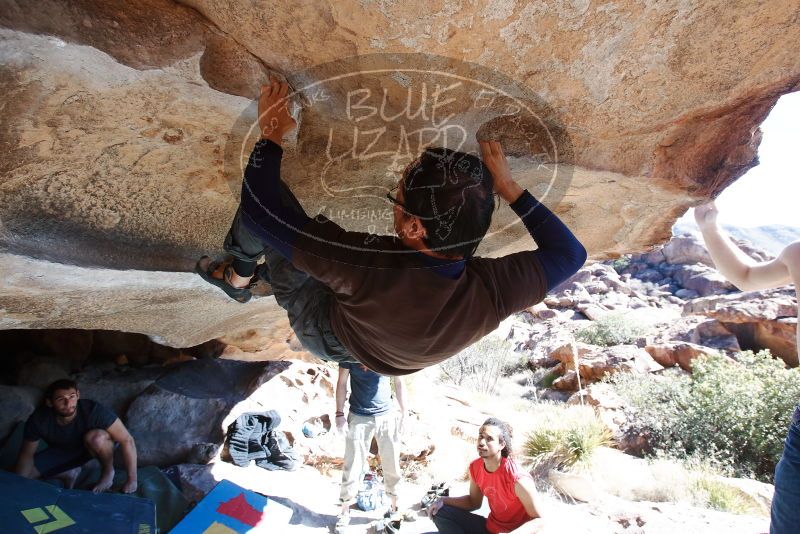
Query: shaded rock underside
{"points": [[125, 127]]}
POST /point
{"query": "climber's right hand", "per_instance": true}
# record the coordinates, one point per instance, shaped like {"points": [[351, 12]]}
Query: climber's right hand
{"points": [[274, 119], [495, 160], [706, 215]]}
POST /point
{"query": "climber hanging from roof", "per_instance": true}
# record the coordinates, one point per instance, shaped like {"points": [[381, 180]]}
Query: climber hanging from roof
{"points": [[401, 303]]}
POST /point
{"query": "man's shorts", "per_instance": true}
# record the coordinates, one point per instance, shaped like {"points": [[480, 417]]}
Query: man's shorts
{"points": [[53, 461]]}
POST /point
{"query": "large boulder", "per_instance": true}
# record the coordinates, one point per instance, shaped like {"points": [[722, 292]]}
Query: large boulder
{"points": [[696, 329], [39, 371], [702, 280], [196, 480], [543, 340], [600, 396], [278, 342], [185, 408], [751, 306], [177, 309], [686, 249], [568, 381], [680, 354], [16, 404], [128, 122], [760, 319], [116, 387], [780, 337], [672, 485], [712, 333], [594, 363]]}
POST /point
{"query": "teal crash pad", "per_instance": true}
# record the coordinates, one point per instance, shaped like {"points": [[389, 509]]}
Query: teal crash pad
{"points": [[31, 506], [170, 503]]}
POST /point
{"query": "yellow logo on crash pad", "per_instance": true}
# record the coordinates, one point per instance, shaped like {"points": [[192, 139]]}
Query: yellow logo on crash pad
{"points": [[56, 519], [218, 528]]}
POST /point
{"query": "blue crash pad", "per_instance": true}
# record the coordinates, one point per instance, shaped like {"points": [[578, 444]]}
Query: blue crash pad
{"points": [[231, 509], [31, 506]]}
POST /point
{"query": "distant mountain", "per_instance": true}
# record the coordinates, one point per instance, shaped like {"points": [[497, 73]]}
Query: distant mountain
{"points": [[770, 238]]}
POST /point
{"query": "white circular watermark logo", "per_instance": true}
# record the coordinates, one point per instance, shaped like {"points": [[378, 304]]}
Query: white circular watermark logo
{"points": [[365, 121]]}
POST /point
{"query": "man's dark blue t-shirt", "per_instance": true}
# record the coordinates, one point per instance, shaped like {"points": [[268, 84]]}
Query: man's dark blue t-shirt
{"points": [[370, 393], [42, 424]]}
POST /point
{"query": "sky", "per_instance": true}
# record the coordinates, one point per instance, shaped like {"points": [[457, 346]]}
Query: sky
{"points": [[770, 192]]}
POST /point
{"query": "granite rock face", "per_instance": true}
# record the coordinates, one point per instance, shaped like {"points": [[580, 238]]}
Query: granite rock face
{"points": [[681, 354], [760, 319], [125, 127], [594, 363], [17, 403], [175, 308], [185, 408]]}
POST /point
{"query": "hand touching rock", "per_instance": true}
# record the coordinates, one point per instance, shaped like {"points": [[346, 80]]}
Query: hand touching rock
{"points": [[706, 215], [495, 160], [274, 119]]}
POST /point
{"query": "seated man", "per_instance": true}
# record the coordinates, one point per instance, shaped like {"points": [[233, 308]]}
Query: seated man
{"points": [[371, 415], [396, 304], [749, 275], [75, 430], [514, 503]]}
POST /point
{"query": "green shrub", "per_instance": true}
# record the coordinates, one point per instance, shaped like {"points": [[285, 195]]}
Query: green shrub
{"points": [[613, 329], [548, 379], [621, 263], [736, 412], [566, 438], [481, 365], [697, 481], [709, 492]]}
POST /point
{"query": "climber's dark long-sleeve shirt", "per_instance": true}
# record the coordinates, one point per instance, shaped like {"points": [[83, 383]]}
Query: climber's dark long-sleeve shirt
{"points": [[398, 310]]}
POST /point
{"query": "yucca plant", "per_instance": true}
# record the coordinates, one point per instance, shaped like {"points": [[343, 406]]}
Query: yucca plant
{"points": [[567, 439]]}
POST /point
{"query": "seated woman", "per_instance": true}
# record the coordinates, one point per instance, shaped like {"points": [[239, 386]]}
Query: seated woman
{"points": [[514, 503]]}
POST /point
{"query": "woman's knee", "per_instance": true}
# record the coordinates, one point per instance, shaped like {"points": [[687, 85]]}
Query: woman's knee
{"points": [[446, 520]]}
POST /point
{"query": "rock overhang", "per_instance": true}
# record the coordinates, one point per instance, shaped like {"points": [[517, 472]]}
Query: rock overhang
{"points": [[126, 126]]}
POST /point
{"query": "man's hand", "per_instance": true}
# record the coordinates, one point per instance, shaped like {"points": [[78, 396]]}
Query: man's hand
{"points": [[706, 215], [130, 485], [495, 160], [341, 424], [25, 466], [435, 507], [274, 119]]}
